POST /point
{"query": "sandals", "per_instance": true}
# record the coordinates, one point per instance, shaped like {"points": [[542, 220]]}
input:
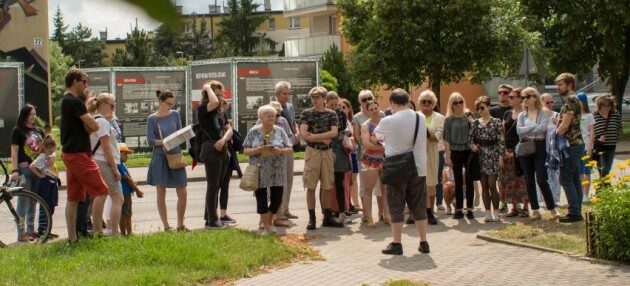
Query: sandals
{"points": [[523, 213], [280, 223]]}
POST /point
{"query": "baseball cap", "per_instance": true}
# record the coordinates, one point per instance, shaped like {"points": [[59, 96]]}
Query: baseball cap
{"points": [[123, 148], [582, 96]]}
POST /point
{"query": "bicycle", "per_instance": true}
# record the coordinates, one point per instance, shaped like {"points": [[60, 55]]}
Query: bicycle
{"points": [[15, 203]]}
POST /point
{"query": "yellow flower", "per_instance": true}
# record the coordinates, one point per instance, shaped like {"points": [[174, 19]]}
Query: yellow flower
{"points": [[627, 161], [612, 174], [585, 182], [586, 157], [596, 186], [591, 164], [621, 166], [596, 200], [607, 181]]}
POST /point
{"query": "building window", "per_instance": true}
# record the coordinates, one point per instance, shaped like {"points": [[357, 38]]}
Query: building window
{"points": [[272, 24], [294, 23], [333, 25]]}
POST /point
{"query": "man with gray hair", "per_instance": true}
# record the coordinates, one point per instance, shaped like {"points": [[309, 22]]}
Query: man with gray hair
{"points": [[411, 191], [283, 96]]}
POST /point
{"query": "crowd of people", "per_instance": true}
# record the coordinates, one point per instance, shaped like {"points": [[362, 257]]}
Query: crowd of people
{"points": [[521, 151]]}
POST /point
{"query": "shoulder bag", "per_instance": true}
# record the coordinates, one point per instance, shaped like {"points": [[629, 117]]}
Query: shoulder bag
{"points": [[249, 181], [175, 161], [400, 168], [598, 146], [526, 147]]}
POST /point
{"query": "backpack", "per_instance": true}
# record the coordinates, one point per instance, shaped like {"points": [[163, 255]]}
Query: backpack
{"points": [[237, 141], [195, 142]]}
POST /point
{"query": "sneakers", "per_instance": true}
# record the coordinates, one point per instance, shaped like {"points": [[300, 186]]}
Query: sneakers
{"points": [[536, 216], [424, 247], [458, 214], [227, 219], [570, 219], [329, 220], [555, 213], [393, 249], [488, 217], [586, 199], [496, 216], [289, 215], [440, 207], [214, 224], [342, 217], [470, 215], [449, 210], [410, 220]]}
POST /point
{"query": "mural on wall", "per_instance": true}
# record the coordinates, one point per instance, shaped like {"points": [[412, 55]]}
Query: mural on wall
{"points": [[24, 38]]}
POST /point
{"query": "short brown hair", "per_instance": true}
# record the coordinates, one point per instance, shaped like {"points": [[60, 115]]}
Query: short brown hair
{"points": [[164, 95], [74, 75], [567, 78], [49, 142], [607, 99], [482, 100], [318, 91], [506, 86], [331, 95]]}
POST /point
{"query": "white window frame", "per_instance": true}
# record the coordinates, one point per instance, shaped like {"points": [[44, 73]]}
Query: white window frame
{"points": [[293, 21], [269, 24]]}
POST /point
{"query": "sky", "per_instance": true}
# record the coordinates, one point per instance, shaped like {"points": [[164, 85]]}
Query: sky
{"points": [[118, 16]]}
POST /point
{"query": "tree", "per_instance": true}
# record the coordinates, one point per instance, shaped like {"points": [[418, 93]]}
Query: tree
{"points": [[582, 34], [329, 81], [59, 65], [237, 29], [59, 33], [138, 51], [400, 43], [333, 62], [168, 39], [197, 43], [85, 50]]}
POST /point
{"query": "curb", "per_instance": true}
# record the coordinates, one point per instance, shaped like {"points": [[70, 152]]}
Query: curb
{"points": [[192, 179], [550, 250]]}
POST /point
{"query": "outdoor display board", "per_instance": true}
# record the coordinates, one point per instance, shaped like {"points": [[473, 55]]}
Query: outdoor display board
{"points": [[205, 71], [256, 83], [99, 81], [10, 102], [136, 99]]}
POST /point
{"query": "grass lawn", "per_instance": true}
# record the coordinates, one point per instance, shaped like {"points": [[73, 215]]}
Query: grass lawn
{"points": [[143, 159], [626, 131], [547, 233], [156, 259]]}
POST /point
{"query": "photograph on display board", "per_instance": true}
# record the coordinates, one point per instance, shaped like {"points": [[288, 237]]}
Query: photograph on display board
{"points": [[254, 102], [302, 101]]}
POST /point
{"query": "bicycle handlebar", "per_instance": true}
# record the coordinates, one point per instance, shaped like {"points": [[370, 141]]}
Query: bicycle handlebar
{"points": [[6, 174]]}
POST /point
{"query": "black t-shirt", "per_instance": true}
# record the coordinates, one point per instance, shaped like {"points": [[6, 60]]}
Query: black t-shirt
{"points": [[211, 122], [29, 142], [74, 138], [498, 111], [509, 125]]}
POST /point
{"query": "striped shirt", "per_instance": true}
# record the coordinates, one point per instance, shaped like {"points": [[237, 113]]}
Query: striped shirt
{"points": [[614, 130]]}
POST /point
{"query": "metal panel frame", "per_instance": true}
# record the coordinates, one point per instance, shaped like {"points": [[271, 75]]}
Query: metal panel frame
{"points": [[20, 78]]}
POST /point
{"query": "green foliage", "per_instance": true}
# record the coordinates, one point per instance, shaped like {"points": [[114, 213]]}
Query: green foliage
{"points": [[400, 43], [580, 34], [198, 257], [611, 210], [328, 81], [168, 39], [59, 65], [138, 51], [333, 62], [161, 10], [237, 28], [59, 32], [85, 50]]}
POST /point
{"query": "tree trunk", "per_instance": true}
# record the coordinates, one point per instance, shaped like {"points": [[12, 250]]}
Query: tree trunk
{"points": [[619, 84]]}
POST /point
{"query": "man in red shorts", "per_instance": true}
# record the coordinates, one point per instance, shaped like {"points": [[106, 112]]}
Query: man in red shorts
{"points": [[82, 173]]}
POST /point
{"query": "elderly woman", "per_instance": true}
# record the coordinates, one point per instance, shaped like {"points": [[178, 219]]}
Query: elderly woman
{"points": [[267, 146], [106, 154], [607, 132], [435, 126]]}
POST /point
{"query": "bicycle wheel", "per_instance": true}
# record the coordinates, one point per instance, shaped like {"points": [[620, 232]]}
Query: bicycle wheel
{"points": [[25, 218]]}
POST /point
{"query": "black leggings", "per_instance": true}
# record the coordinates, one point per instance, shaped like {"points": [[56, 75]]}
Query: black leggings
{"points": [[535, 171], [489, 191], [223, 192], [460, 160], [339, 189], [262, 207]]}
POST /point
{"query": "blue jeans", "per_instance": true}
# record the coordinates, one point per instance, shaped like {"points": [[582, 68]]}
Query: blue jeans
{"points": [[25, 207], [439, 194], [606, 160], [570, 180]]}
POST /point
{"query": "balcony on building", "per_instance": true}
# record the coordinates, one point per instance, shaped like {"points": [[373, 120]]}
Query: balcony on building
{"points": [[297, 8], [310, 45]]}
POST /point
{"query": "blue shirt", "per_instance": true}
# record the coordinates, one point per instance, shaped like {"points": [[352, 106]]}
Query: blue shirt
{"points": [[126, 189]]}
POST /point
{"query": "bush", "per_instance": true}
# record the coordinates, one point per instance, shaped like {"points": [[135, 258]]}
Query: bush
{"points": [[611, 211]]}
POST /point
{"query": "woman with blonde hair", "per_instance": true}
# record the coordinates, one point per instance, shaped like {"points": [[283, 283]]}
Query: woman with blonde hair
{"points": [[106, 154], [532, 126], [457, 151], [435, 126]]}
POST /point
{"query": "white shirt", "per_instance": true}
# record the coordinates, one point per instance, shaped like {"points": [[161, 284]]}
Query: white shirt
{"points": [[397, 132], [104, 129], [586, 120]]}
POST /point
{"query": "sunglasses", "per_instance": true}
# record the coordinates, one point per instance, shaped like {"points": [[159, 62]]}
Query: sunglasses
{"points": [[366, 99], [426, 101], [481, 108], [456, 103], [549, 102], [526, 97], [503, 92], [513, 97]]}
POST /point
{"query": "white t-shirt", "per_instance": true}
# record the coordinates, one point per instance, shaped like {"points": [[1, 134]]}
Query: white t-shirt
{"points": [[397, 132], [104, 129], [586, 120]]}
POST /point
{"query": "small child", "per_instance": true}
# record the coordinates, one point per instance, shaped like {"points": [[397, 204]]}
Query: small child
{"points": [[48, 188], [448, 183], [129, 186]]}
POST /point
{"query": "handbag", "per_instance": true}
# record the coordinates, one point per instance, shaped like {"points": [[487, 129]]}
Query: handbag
{"points": [[400, 168], [249, 181], [175, 161], [526, 147]]}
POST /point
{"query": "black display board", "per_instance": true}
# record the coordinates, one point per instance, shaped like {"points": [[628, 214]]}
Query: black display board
{"points": [[203, 73], [9, 106]]}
